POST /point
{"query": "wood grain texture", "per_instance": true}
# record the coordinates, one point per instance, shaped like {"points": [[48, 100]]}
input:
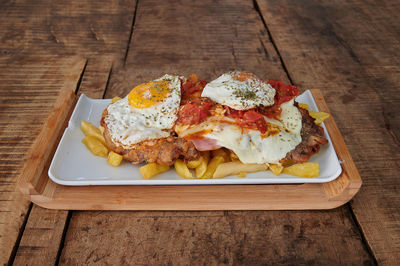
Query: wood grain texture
{"points": [[28, 89], [213, 238], [42, 237], [190, 37], [86, 28], [93, 30], [41, 240], [349, 50]]}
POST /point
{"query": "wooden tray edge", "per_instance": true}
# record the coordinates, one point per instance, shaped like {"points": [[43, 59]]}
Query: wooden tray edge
{"points": [[262, 197]]}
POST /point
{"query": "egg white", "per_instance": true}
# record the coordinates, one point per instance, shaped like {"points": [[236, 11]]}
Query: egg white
{"points": [[128, 125], [250, 145], [239, 95]]}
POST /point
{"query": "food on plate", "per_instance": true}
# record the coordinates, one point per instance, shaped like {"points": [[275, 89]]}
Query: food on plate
{"points": [[202, 168], [115, 99], [95, 146], [276, 168], [151, 169], [232, 116], [318, 116], [236, 168], [140, 126], [182, 169], [114, 159], [90, 130], [233, 125], [212, 166], [310, 169]]}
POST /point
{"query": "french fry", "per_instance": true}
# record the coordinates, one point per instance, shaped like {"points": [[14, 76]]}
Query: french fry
{"points": [[276, 168], [318, 116], [90, 130], [212, 166], [182, 169], [101, 130], [234, 168], [303, 105], [151, 169], [201, 169], [114, 159], [194, 163], [221, 152], [95, 146], [115, 99], [242, 174], [310, 169]]}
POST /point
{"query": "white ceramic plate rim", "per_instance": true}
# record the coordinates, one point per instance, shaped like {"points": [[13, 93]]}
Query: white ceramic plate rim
{"points": [[74, 165]]}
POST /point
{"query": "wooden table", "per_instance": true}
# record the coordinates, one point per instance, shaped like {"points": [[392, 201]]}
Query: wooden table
{"points": [[348, 50]]}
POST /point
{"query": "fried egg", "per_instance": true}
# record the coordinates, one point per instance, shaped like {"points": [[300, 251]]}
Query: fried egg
{"points": [[149, 111], [240, 91], [250, 145]]}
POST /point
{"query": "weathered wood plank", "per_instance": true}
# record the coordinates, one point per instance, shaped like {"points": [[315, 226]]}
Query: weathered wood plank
{"points": [[43, 28], [42, 237], [350, 51], [43, 233], [213, 238], [195, 37], [30, 82], [87, 28]]}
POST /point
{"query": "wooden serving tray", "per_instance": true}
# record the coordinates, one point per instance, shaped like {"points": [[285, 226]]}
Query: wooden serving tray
{"points": [[36, 185]]}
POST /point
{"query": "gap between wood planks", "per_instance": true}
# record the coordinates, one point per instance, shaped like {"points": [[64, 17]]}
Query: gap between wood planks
{"points": [[21, 233], [257, 9], [69, 216], [64, 233], [130, 35], [353, 216]]}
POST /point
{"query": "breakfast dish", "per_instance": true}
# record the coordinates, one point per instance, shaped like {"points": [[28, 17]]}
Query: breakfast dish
{"points": [[230, 127]]}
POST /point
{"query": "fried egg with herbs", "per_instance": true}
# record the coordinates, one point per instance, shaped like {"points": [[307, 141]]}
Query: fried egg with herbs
{"points": [[240, 91], [148, 112], [244, 91]]}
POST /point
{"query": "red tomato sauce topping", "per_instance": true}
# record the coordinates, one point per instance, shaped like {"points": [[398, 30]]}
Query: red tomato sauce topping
{"points": [[195, 109], [253, 118]]}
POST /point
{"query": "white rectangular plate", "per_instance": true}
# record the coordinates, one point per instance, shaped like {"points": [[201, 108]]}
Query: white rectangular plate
{"points": [[74, 165]]}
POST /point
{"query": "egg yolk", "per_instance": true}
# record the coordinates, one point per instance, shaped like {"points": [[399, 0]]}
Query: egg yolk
{"points": [[148, 94]]}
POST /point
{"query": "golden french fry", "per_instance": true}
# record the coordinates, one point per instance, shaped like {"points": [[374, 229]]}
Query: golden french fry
{"points": [[95, 146], [114, 159], [310, 169], [276, 168], [101, 130], [201, 169], [90, 130], [237, 167], [221, 152], [151, 169], [242, 174], [318, 116], [212, 166], [303, 105], [115, 99], [194, 163], [182, 169]]}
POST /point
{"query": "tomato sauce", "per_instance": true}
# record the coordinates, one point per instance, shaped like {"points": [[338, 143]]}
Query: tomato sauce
{"points": [[195, 109]]}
